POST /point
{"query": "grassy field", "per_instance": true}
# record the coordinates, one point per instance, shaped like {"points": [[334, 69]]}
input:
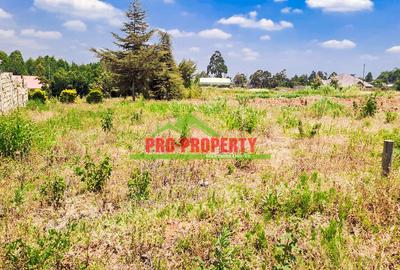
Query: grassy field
{"points": [[78, 200]]}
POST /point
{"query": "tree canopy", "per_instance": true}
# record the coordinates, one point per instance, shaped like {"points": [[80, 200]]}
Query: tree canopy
{"points": [[217, 67]]}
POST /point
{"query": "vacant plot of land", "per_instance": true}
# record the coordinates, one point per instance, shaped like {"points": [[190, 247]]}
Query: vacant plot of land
{"points": [[78, 200]]}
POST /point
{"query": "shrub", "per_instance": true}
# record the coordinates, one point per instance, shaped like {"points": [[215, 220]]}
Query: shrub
{"points": [[38, 95], [327, 107], [308, 132], [16, 135], [95, 176], [68, 96], [95, 96], [288, 119], [390, 117], [243, 119], [369, 107], [52, 191], [138, 185], [107, 121], [46, 252], [137, 117]]}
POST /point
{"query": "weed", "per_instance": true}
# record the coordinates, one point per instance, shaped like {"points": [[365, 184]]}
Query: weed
{"points": [[52, 191], [16, 135], [46, 252], [223, 251], [107, 121], [243, 119], [309, 132], [257, 237], [390, 117], [369, 107], [332, 240], [95, 176], [287, 118], [301, 201], [327, 107], [137, 117], [285, 250], [139, 185]]}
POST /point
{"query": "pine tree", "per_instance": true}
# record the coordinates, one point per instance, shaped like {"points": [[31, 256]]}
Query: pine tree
{"points": [[133, 64], [187, 68], [167, 83]]}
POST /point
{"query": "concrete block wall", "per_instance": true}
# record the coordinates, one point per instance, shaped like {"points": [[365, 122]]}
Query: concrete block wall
{"points": [[13, 93]]}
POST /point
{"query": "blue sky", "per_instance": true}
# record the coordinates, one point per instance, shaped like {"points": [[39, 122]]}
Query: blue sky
{"points": [[296, 35]]}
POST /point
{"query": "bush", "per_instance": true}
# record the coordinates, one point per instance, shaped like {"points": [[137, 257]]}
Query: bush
{"points": [[369, 107], [243, 119], [95, 176], [38, 95], [68, 96], [138, 185], [53, 191], [95, 96], [46, 251], [107, 121], [16, 135], [390, 117], [327, 107]]}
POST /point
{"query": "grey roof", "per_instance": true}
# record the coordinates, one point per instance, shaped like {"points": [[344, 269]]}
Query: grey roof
{"points": [[346, 80]]}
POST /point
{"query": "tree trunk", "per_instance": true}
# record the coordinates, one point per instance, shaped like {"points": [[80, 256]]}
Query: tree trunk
{"points": [[133, 90]]}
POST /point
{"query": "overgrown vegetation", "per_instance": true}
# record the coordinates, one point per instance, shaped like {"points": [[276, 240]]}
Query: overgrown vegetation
{"points": [[16, 135], [94, 176]]}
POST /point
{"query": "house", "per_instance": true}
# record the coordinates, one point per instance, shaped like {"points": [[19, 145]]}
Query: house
{"points": [[30, 82], [347, 80], [219, 82]]}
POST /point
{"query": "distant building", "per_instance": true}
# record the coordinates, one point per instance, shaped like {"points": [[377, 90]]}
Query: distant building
{"points": [[30, 82], [347, 80], [219, 82]]}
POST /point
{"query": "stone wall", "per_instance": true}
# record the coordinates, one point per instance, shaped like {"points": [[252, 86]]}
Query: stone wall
{"points": [[13, 92]]}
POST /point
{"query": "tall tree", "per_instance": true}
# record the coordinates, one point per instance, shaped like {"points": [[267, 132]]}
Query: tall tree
{"points": [[187, 68], [240, 80], [217, 65], [16, 64], [369, 78], [136, 60], [166, 82]]}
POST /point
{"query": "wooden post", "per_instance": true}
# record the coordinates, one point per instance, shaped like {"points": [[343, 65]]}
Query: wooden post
{"points": [[387, 157]]}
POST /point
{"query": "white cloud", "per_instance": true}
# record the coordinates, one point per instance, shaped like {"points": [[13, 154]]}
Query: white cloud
{"points": [[4, 34], [251, 21], [341, 5], [194, 49], [369, 57], [41, 34], [4, 14], [8, 38], [75, 25], [169, 1], [214, 34], [265, 37], [249, 54], [394, 49], [289, 10], [339, 44], [179, 34], [87, 9]]}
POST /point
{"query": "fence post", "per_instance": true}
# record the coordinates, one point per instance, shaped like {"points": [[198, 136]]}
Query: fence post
{"points": [[387, 157]]}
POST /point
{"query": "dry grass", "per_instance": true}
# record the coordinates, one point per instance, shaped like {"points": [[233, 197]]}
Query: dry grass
{"points": [[345, 216]]}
